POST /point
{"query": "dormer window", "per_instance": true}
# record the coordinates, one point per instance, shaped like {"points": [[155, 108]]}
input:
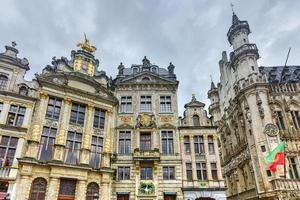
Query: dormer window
{"points": [[154, 69], [196, 121], [3, 82], [23, 91], [135, 70]]}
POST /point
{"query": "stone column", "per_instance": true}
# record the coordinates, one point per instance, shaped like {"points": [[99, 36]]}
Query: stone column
{"points": [[60, 141], [53, 188], [155, 139], [86, 147], [37, 126], [193, 157], [4, 112], [27, 117], [219, 168], [81, 190], [181, 137], [208, 168]]}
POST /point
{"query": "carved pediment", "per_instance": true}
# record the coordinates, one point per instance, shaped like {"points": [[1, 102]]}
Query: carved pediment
{"points": [[167, 126], [125, 126], [147, 78]]}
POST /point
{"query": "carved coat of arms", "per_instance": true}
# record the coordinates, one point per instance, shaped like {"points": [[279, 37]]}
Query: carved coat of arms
{"points": [[145, 121]]}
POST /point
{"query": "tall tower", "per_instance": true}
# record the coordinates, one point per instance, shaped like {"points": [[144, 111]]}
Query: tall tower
{"points": [[245, 54]]}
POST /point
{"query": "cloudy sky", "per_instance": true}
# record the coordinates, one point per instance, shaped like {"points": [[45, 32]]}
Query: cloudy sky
{"points": [[190, 33]]}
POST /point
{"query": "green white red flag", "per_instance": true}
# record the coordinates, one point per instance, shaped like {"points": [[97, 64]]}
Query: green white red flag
{"points": [[276, 157]]}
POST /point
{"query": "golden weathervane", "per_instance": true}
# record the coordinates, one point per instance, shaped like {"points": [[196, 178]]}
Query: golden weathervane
{"points": [[86, 46]]}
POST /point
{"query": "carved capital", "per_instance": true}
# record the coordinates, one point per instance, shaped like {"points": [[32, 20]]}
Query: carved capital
{"points": [[90, 107], [205, 136], [181, 137], [43, 95], [68, 101], [191, 136]]}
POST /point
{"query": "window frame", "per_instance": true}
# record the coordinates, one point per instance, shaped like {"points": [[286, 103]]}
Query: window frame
{"points": [[214, 170], [211, 144], [77, 119], [165, 105], [145, 103], [96, 151], [167, 138], [124, 141], [3, 81], [168, 173], [8, 147], [74, 142], [99, 118], [148, 173], [199, 144], [48, 137], [57, 105], [15, 115], [201, 169], [189, 171], [123, 173], [126, 104]]}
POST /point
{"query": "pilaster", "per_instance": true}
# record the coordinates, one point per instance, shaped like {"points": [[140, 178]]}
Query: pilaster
{"points": [[219, 168], [85, 153], [208, 167], [81, 190], [53, 188], [191, 136], [4, 112]]}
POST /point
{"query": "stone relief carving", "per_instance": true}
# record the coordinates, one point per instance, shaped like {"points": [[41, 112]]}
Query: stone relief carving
{"points": [[146, 121], [242, 157], [51, 123], [75, 128]]}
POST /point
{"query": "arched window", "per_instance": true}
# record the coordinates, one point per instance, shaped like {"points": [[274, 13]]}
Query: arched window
{"points": [[23, 91], [196, 120], [3, 82], [38, 189], [92, 191]]}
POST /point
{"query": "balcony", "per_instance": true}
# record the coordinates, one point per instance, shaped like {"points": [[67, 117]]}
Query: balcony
{"points": [[146, 155], [286, 184], [244, 49], [4, 172]]}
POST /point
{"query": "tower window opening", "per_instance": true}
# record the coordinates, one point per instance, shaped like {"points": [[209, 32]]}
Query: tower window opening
{"points": [[252, 67]]}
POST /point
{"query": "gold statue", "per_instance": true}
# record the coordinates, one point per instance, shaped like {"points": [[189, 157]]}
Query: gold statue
{"points": [[86, 45]]}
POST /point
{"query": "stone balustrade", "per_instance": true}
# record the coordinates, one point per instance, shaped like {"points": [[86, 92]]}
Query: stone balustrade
{"points": [[285, 184], [251, 79], [146, 154], [284, 88]]}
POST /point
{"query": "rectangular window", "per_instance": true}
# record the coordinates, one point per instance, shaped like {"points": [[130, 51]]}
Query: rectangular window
{"points": [[168, 173], [123, 173], [280, 122], [126, 104], [145, 141], [77, 114], [96, 150], [124, 142], [211, 147], [74, 140], [165, 104], [293, 170], [99, 118], [8, 146], [214, 172], [16, 115], [189, 171], [54, 107], [201, 171], [296, 119], [167, 142], [146, 173], [199, 144], [145, 104], [187, 145], [47, 143]]}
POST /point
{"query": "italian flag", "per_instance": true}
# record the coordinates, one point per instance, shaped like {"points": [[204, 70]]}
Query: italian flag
{"points": [[276, 157]]}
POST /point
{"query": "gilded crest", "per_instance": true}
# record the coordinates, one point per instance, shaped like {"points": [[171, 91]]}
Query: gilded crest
{"points": [[145, 121]]}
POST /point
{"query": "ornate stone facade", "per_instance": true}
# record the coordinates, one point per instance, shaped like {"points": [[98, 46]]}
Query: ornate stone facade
{"points": [[17, 101], [249, 105], [201, 166]]}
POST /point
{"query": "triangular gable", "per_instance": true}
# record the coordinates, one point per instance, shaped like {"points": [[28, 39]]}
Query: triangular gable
{"points": [[140, 78]]}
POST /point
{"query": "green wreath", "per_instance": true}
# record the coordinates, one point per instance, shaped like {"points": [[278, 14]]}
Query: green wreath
{"points": [[146, 188]]}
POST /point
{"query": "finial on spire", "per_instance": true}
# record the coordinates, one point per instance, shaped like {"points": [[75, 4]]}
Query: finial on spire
{"points": [[231, 5], [193, 97], [13, 44], [86, 46]]}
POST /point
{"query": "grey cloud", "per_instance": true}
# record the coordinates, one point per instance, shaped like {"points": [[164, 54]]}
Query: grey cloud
{"points": [[190, 33]]}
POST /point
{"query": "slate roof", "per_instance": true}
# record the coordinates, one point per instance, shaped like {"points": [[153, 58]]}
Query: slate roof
{"points": [[281, 74]]}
